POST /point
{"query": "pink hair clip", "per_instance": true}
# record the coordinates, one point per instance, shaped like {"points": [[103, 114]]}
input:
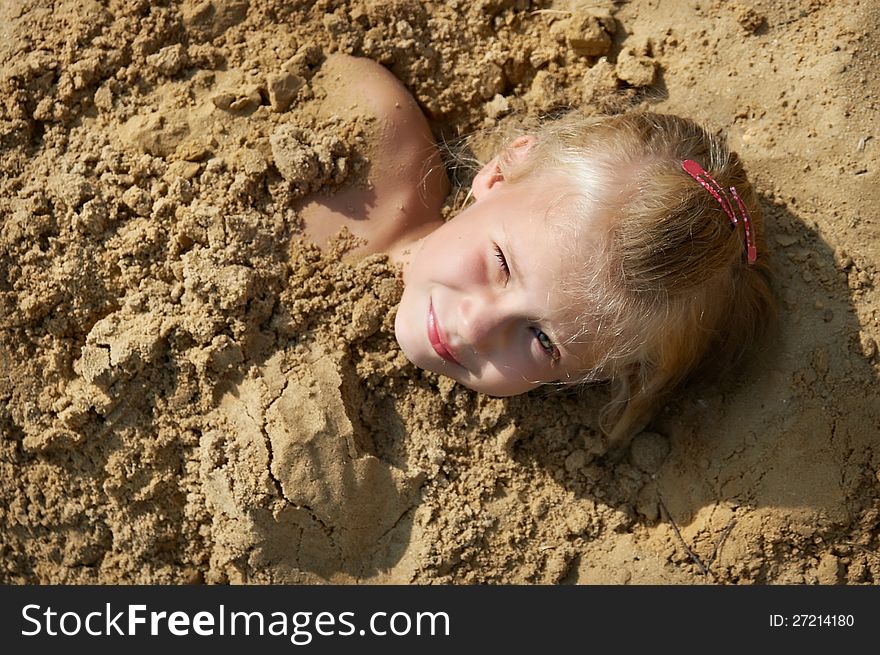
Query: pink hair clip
{"points": [[705, 180]]}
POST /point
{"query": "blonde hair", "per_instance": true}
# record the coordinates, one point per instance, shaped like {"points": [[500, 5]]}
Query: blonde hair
{"points": [[675, 296]]}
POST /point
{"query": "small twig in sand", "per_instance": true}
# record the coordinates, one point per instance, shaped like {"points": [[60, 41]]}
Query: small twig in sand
{"points": [[721, 538], [549, 11], [597, 5], [703, 569]]}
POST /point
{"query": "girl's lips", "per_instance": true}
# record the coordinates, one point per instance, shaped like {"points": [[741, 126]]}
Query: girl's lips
{"points": [[438, 343]]}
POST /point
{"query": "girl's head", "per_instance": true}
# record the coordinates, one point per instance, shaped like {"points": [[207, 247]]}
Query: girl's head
{"points": [[590, 253]]}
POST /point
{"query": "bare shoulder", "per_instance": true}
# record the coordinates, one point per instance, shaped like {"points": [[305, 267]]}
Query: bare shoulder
{"points": [[406, 180], [369, 85], [361, 85]]}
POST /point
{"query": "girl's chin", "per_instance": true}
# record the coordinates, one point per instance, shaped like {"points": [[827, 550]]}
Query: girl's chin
{"points": [[409, 344]]}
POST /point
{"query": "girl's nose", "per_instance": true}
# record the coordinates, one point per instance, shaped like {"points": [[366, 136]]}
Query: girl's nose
{"points": [[481, 324]]}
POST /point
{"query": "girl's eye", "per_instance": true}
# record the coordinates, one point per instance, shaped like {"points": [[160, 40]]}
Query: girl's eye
{"points": [[502, 261], [546, 344]]}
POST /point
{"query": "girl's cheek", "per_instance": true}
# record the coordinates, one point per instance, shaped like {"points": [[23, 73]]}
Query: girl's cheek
{"points": [[521, 363], [539, 362]]}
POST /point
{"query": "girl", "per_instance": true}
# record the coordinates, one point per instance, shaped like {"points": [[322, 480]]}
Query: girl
{"points": [[626, 248]]}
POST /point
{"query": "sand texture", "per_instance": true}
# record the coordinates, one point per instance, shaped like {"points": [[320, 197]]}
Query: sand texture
{"points": [[190, 394]]}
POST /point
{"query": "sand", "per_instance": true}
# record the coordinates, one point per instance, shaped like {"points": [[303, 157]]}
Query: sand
{"points": [[190, 394]]}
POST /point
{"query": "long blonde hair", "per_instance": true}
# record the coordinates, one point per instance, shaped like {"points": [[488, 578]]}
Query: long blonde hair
{"points": [[676, 296]]}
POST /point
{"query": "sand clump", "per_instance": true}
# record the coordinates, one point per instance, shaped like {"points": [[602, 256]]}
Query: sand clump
{"points": [[188, 393]]}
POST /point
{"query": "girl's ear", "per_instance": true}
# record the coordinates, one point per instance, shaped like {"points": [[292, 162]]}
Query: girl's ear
{"points": [[491, 175]]}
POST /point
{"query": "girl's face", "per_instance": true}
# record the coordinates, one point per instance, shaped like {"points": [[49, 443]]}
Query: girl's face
{"points": [[481, 301]]}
